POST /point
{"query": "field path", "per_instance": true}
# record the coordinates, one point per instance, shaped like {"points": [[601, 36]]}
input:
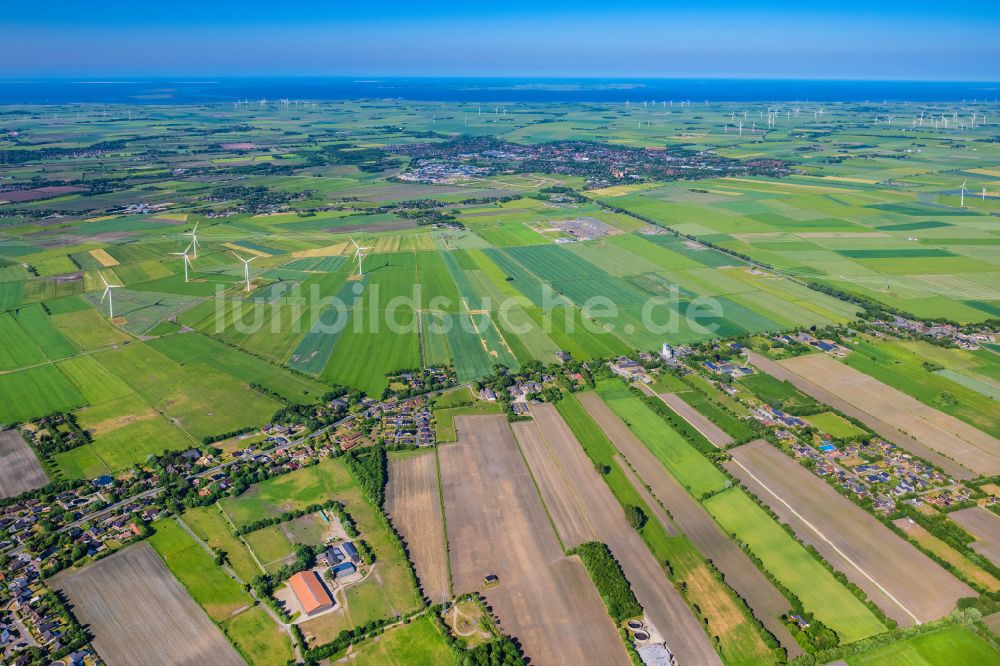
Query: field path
{"points": [[584, 509], [885, 430], [496, 524], [906, 584], [763, 598]]}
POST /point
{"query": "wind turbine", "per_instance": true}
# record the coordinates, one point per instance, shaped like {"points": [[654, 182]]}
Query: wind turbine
{"points": [[359, 254], [962, 193], [107, 295], [984, 194], [246, 268], [194, 239], [187, 261]]}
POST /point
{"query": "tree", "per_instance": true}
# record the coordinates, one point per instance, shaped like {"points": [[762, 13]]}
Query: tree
{"points": [[636, 516]]}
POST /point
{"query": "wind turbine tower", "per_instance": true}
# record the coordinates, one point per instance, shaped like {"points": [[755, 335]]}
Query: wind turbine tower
{"points": [[359, 254], [187, 261], [107, 295], [194, 240], [246, 268]]}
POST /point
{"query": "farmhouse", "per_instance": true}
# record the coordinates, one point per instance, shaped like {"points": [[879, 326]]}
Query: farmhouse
{"points": [[310, 592]]}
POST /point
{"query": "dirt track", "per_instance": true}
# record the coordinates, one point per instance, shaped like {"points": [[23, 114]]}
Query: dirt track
{"points": [[139, 613], [583, 509], [906, 584], [985, 526], [414, 507], [20, 470], [766, 602], [496, 524], [874, 421]]}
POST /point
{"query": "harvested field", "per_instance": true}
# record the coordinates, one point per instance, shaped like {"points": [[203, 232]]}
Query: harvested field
{"points": [[944, 433], [985, 526], [103, 258], [414, 507], [766, 602], [496, 524], [712, 432], [20, 470], [139, 613], [884, 427], [906, 584], [583, 509]]}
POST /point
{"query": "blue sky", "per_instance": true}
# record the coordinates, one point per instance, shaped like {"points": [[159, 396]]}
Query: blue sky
{"points": [[883, 39]]}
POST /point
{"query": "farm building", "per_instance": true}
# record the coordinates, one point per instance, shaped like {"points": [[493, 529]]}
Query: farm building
{"points": [[343, 569], [310, 592], [352, 552]]}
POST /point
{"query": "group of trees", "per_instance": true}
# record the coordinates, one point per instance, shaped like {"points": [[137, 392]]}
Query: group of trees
{"points": [[609, 580], [370, 468]]}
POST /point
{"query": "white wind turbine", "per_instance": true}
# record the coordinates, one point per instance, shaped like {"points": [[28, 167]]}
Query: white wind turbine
{"points": [[962, 193], [107, 295], [246, 268], [194, 239], [359, 254], [187, 260]]}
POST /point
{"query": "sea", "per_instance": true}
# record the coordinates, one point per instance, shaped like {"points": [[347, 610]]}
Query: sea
{"points": [[205, 90]]}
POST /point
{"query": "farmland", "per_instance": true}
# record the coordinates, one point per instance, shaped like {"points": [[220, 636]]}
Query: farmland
{"points": [[542, 595], [19, 468], [972, 448], [763, 598], [414, 507], [583, 510], [908, 586], [505, 245], [137, 610]]}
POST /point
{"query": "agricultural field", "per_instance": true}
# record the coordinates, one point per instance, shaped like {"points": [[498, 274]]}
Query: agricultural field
{"points": [[344, 242], [137, 610], [947, 645], [20, 470], [601, 424], [413, 504], [543, 598], [964, 390], [793, 566], [584, 510], [419, 643], [972, 448], [907, 585]]}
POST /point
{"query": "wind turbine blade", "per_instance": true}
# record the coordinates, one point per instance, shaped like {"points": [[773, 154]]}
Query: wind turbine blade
{"points": [[102, 278], [355, 244], [106, 292]]}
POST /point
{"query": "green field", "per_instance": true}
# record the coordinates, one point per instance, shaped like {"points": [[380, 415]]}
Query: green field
{"points": [[778, 393], [418, 643], [258, 638], [689, 467], [834, 424], [793, 567], [948, 645], [214, 591], [289, 492]]}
